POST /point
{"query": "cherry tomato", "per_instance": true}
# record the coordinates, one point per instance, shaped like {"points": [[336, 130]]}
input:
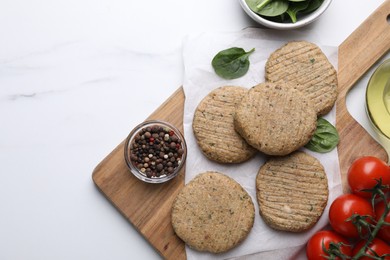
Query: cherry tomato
{"points": [[384, 232], [364, 171], [377, 245], [314, 248], [342, 208]]}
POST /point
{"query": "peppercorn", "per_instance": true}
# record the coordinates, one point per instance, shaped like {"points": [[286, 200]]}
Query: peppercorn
{"points": [[156, 151]]}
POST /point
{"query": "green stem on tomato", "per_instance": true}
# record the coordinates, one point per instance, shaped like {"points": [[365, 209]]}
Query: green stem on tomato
{"points": [[262, 4], [379, 224], [372, 257]]}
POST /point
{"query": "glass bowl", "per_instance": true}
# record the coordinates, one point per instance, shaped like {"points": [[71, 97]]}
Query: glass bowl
{"points": [[155, 151], [301, 20]]}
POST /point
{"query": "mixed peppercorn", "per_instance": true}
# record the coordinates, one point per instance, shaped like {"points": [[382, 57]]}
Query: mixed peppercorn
{"points": [[156, 151]]}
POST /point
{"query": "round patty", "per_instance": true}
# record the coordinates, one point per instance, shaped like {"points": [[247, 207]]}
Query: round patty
{"points": [[212, 213], [214, 129], [275, 118], [306, 66], [292, 192]]}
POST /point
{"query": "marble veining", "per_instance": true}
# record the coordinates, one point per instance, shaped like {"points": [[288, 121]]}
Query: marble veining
{"points": [[75, 78]]}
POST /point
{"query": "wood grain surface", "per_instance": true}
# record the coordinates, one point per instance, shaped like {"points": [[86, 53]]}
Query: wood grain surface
{"points": [[365, 46], [147, 206]]}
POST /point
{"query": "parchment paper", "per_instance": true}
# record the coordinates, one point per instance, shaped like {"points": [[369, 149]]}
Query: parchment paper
{"points": [[199, 79]]}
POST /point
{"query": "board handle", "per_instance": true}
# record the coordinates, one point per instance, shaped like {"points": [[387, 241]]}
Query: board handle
{"points": [[357, 54]]}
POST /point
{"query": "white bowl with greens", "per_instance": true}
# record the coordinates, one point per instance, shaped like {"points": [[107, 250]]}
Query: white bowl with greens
{"points": [[284, 14]]}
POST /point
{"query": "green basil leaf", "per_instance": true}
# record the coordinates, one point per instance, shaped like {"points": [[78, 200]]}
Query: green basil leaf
{"points": [[231, 63], [325, 138]]}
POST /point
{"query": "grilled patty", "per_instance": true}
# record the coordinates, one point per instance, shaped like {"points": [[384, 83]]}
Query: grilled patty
{"points": [[292, 192], [214, 129], [212, 213], [305, 66], [275, 118]]}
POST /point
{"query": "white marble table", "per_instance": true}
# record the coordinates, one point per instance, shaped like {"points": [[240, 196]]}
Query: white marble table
{"points": [[75, 78]]}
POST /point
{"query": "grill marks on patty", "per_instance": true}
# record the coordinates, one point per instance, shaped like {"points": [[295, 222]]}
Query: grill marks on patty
{"points": [[214, 130], [212, 213], [275, 118], [292, 192], [306, 66]]}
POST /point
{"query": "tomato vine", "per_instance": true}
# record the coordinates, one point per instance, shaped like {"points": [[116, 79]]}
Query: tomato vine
{"points": [[355, 216]]}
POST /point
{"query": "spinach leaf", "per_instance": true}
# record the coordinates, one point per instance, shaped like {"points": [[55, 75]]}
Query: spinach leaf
{"points": [[313, 5], [295, 7], [283, 10], [253, 4], [231, 63], [272, 7], [269, 8], [325, 138]]}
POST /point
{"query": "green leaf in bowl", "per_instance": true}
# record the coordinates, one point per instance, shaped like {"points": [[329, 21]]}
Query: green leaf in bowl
{"points": [[268, 7], [296, 7]]}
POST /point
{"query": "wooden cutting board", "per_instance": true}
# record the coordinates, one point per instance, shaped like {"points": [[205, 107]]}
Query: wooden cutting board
{"points": [[147, 206]]}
